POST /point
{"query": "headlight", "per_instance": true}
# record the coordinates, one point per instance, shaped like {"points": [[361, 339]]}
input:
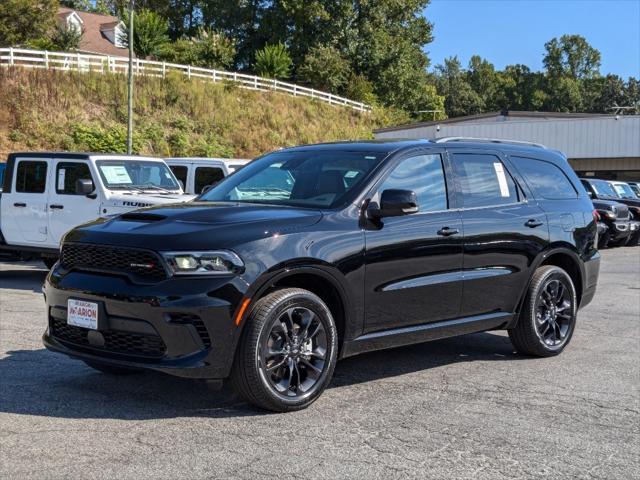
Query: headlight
{"points": [[611, 215], [218, 262]]}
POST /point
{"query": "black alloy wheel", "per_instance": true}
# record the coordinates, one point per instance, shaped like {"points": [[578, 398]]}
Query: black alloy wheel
{"points": [[287, 351], [548, 316]]}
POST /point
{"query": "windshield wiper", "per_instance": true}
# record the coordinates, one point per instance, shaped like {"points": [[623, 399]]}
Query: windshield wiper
{"points": [[151, 186]]}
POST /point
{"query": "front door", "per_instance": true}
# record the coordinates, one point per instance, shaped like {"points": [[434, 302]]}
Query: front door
{"points": [[66, 208], [24, 208], [504, 232], [414, 262]]}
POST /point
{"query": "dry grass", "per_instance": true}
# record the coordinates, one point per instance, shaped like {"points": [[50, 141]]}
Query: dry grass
{"points": [[48, 110]]}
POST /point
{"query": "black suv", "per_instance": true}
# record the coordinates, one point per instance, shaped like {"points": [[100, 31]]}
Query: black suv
{"points": [[321, 252]]}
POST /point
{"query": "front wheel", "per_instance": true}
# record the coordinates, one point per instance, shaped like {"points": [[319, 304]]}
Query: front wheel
{"points": [[287, 352], [548, 316]]}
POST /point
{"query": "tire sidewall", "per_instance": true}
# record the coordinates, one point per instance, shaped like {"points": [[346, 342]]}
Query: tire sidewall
{"points": [[558, 274], [315, 304]]}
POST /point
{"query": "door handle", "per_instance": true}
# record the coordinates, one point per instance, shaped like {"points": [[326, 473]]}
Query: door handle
{"points": [[446, 231], [533, 223], [19, 204], [56, 207]]}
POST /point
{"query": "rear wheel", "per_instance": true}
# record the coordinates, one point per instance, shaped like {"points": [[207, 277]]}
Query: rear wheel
{"points": [[111, 369], [548, 317], [287, 352]]}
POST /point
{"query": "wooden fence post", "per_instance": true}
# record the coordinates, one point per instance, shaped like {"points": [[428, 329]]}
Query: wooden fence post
{"points": [[11, 56], [46, 59]]}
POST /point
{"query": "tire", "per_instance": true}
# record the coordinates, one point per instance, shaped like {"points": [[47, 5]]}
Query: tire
{"points": [[619, 243], [535, 333], [603, 240], [287, 351], [111, 369], [634, 239], [49, 262]]}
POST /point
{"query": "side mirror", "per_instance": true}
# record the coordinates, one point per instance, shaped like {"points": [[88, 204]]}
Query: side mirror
{"points": [[84, 186], [395, 203]]}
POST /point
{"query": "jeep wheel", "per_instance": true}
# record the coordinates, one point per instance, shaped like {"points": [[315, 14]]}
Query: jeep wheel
{"points": [[287, 352], [548, 316]]}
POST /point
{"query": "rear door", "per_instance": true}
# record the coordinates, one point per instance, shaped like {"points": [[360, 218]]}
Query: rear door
{"points": [[24, 208], [66, 208], [504, 231]]}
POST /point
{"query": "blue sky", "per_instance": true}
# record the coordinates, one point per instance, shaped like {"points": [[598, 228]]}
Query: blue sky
{"points": [[515, 31]]}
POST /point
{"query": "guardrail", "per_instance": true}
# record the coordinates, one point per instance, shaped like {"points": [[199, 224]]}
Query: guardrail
{"points": [[83, 62]]}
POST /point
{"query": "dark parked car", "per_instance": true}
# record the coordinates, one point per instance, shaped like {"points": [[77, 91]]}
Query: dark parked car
{"points": [[269, 279], [616, 217], [603, 190]]}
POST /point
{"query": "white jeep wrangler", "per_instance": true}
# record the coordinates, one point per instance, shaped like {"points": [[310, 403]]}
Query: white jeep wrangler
{"points": [[47, 194]]}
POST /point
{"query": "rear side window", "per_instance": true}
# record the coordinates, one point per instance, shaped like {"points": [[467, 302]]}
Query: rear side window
{"points": [[180, 171], [207, 176], [425, 177], [545, 179], [483, 180], [31, 177], [67, 173]]}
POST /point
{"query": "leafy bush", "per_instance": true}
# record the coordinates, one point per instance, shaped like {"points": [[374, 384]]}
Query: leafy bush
{"points": [[93, 138], [273, 61], [149, 33], [65, 38], [325, 68], [208, 49], [361, 90]]}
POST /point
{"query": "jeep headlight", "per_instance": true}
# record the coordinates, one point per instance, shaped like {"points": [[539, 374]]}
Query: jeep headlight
{"points": [[215, 262]]}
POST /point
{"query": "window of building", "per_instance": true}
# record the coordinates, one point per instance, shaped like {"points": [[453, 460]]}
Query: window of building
{"points": [[484, 180], [424, 175]]}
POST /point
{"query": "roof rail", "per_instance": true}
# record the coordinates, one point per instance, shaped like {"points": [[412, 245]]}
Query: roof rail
{"points": [[487, 140]]}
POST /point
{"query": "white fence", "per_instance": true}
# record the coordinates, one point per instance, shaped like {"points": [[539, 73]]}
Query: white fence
{"points": [[104, 63]]}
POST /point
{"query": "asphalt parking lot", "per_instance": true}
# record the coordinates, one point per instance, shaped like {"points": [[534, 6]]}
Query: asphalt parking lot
{"points": [[460, 408]]}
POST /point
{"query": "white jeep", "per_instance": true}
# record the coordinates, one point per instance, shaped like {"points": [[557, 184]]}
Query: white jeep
{"points": [[47, 194]]}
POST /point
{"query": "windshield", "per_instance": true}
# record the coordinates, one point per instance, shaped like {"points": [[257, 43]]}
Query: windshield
{"points": [[623, 190], [303, 178], [603, 189], [136, 175]]}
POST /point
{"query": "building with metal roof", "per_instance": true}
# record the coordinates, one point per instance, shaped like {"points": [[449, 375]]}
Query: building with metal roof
{"points": [[598, 145]]}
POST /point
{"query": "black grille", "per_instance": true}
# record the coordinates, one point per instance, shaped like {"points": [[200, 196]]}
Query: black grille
{"points": [[139, 264], [188, 319], [126, 343], [622, 212]]}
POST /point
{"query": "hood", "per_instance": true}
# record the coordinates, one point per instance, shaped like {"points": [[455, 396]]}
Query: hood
{"points": [[140, 200], [195, 226]]}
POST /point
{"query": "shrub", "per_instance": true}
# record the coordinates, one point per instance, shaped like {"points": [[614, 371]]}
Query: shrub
{"points": [[273, 61], [92, 138], [208, 49], [149, 33], [325, 68]]}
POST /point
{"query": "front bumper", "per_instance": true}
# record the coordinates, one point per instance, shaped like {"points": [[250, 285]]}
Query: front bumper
{"points": [[622, 229], [180, 326]]}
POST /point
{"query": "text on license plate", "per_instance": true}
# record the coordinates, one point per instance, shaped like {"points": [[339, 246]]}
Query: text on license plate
{"points": [[82, 314]]}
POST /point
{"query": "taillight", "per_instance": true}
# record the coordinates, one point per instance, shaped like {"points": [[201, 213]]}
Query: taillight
{"points": [[596, 216]]}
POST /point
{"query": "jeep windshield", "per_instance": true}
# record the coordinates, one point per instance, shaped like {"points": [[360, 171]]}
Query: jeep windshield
{"points": [[137, 175], [603, 189], [314, 178]]}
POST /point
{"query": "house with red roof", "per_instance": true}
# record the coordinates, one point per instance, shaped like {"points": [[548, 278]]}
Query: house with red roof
{"points": [[100, 33]]}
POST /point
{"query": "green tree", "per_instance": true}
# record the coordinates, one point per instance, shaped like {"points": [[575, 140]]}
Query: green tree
{"points": [[65, 39], [564, 94], [273, 61], [207, 49], [482, 77], [23, 20], [571, 56], [632, 95], [460, 98], [149, 33], [83, 5], [325, 68], [518, 88]]}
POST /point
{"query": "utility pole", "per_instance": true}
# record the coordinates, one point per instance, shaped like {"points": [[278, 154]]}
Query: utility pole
{"points": [[130, 83]]}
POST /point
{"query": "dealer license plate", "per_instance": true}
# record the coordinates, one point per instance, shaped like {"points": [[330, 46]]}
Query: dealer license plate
{"points": [[82, 314]]}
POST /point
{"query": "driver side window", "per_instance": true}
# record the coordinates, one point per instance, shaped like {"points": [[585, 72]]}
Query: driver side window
{"points": [[424, 175]]}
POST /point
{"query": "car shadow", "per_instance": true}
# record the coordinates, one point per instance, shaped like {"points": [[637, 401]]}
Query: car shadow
{"points": [[29, 277], [39, 382]]}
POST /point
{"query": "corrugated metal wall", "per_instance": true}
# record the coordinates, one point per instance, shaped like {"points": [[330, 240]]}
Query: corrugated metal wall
{"points": [[580, 138]]}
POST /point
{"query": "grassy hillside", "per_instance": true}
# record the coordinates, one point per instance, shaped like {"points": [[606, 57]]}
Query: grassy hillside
{"points": [[46, 110]]}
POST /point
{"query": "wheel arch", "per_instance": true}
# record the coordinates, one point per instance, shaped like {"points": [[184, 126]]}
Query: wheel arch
{"points": [[560, 256], [318, 279]]}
